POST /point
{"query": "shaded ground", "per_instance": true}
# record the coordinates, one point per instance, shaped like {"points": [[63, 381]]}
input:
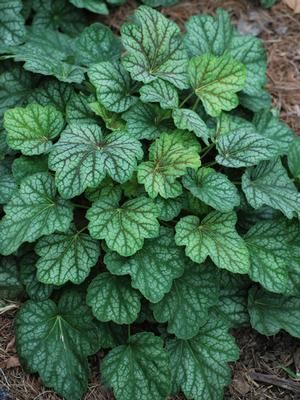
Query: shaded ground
{"points": [[278, 356]]}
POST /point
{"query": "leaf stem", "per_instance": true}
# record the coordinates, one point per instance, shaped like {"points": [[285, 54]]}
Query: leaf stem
{"points": [[196, 104], [210, 164], [186, 99], [206, 150], [80, 206], [129, 331]]}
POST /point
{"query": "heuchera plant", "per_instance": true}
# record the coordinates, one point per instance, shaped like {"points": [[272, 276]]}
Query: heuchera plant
{"points": [[150, 201]]}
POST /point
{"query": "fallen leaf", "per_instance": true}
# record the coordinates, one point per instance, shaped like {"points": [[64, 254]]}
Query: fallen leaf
{"points": [[11, 362], [240, 385], [293, 4]]}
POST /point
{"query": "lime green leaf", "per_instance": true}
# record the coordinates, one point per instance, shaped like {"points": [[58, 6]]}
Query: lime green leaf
{"points": [[112, 120], [66, 257], [55, 340], [153, 268], [145, 121], [36, 290], [269, 255], [138, 370], [33, 211], [113, 85], [161, 92], [78, 110], [168, 208], [52, 92], [12, 24], [199, 365], [213, 188], [269, 126], [242, 148], [206, 34], [294, 158], [26, 166], [269, 184], [215, 236], [113, 299], [271, 312], [10, 284], [83, 156], [154, 48], [31, 129], [169, 158], [186, 306], [95, 44], [190, 120], [95, 6], [216, 80], [125, 227]]}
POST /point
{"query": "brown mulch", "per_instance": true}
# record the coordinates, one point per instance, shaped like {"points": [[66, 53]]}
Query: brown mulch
{"points": [[277, 357]]}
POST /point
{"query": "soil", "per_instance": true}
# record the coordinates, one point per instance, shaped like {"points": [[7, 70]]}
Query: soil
{"points": [[275, 359]]}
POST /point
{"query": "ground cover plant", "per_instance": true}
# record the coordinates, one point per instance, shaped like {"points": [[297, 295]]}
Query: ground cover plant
{"points": [[149, 201]]}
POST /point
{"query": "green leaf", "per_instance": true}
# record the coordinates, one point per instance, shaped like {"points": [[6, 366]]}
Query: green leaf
{"points": [[269, 255], [78, 110], [190, 120], [169, 158], [216, 35], [36, 290], [8, 184], [113, 299], [154, 48], [199, 365], [31, 129], [293, 157], [95, 44], [271, 312], [54, 93], [66, 257], [12, 24], [168, 208], [27, 166], [113, 86], [161, 92], [215, 236], [139, 369], [145, 121], [83, 156], [269, 126], [125, 227], [10, 284], [107, 188], [267, 3], [242, 148], [269, 184], [95, 6], [186, 306], [153, 268], [55, 340], [216, 80], [34, 210], [213, 188], [112, 120]]}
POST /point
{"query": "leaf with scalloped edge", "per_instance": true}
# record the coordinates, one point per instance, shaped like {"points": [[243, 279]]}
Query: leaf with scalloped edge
{"points": [[271, 312], [66, 257], [268, 184], [147, 121], [242, 148], [34, 210], [215, 236], [36, 290], [154, 48], [12, 23], [31, 129], [153, 268], [169, 208], [216, 80], [113, 299], [199, 366], [213, 188], [169, 158], [55, 340], [125, 227], [139, 369], [161, 92], [83, 156], [113, 86], [190, 120], [186, 306], [10, 285]]}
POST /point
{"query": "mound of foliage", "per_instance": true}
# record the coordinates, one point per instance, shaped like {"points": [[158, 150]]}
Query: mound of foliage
{"points": [[149, 200]]}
